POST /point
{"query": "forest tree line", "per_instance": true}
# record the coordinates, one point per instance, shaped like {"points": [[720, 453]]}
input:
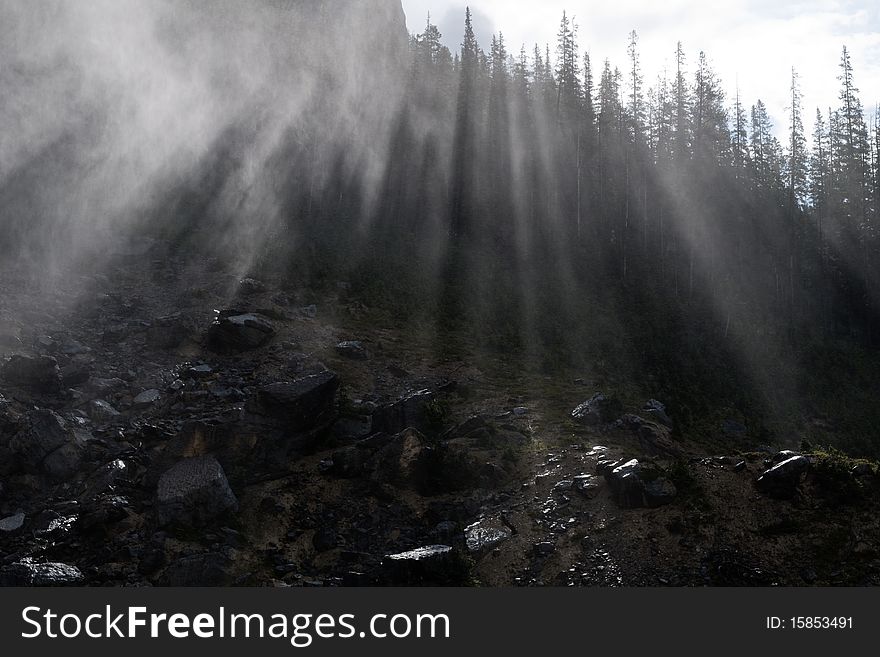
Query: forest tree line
{"points": [[547, 158]]}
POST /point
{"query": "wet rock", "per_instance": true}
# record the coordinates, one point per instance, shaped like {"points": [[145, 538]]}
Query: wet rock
{"points": [[239, 333], [39, 373], [586, 484], [147, 399], [29, 573], [783, 478], [302, 404], [353, 350], [103, 386], [194, 492], [12, 523], [425, 566], [862, 470], [101, 412], [486, 534], [599, 409], [210, 569]]}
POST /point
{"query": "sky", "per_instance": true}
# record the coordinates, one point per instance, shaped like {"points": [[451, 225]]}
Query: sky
{"points": [[749, 43]]}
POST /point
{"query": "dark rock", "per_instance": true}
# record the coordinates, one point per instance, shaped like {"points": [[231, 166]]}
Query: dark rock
{"points": [[486, 534], [239, 333], [783, 478], [46, 444], [13, 523], [627, 485], [40, 373], [862, 470], [784, 455], [353, 350], [544, 549], [410, 412], [75, 374], [194, 492], [353, 427], [199, 372], [302, 404], [29, 573], [102, 412], [146, 399], [655, 440], [599, 409], [348, 463], [210, 569]]}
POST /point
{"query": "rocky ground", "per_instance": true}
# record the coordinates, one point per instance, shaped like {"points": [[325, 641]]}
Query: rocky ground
{"points": [[163, 422]]}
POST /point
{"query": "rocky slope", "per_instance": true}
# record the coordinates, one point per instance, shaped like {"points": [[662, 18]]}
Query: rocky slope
{"points": [[165, 422]]}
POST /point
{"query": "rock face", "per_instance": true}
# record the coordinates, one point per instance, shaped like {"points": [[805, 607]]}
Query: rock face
{"points": [[194, 492], [40, 373], [301, 404], [783, 478], [240, 333]]}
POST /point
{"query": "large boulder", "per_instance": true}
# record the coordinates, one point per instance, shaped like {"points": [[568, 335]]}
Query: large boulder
{"points": [[635, 485], [413, 411], [47, 444], [243, 332], [194, 492], [29, 573], [37, 373], [301, 405], [598, 409], [783, 478]]}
